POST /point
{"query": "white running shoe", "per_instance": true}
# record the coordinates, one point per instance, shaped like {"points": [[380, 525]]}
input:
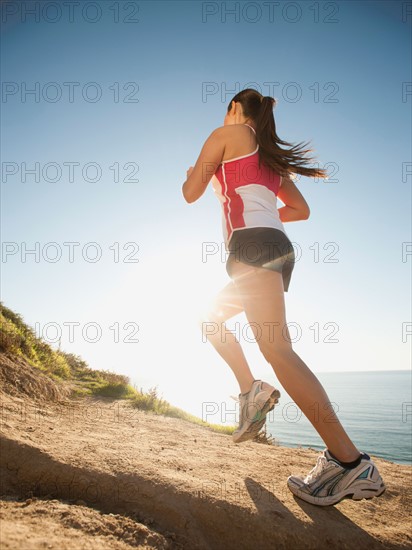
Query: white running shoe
{"points": [[253, 409], [328, 482]]}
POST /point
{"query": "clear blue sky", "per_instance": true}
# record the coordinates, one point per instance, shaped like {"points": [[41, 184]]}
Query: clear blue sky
{"points": [[339, 76]]}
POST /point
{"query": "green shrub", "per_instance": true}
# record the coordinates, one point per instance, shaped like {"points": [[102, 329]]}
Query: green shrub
{"points": [[117, 390], [18, 338], [10, 337]]}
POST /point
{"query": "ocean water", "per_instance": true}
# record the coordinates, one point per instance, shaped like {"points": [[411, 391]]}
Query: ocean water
{"points": [[374, 407]]}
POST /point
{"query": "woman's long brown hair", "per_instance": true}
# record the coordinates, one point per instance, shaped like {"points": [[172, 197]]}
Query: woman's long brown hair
{"points": [[283, 161]]}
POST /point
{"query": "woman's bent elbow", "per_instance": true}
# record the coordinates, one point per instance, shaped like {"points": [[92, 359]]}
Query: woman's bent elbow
{"points": [[187, 198], [306, 214]]}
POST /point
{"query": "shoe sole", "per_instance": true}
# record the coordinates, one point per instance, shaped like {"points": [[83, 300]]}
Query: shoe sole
{"points": [[254, 427], [357, 494]]}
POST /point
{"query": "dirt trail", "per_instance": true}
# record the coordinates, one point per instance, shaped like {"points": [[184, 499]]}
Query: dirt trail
{"points": [[99, 474]]}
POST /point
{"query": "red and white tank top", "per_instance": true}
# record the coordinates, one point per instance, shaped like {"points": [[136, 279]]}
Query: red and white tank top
{"points": [[247, 193]]}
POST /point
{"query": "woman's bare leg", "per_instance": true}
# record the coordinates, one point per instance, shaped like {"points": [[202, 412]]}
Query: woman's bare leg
{"points": [[262, 294], [226, 305]]}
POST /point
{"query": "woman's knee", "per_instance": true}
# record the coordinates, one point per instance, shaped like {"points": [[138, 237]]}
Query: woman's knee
{"points": [[276, 352], [213, 321], [209, 321]]}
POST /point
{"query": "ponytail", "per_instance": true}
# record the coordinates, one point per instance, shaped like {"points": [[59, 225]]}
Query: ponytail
{"points": [[265, 116], [291, 160]]}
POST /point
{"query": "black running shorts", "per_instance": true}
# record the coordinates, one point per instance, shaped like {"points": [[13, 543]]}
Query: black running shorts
{"points": [[262, 247]]}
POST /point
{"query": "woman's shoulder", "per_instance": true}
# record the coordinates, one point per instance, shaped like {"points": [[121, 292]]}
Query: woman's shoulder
{"points": [[232, 134], [237, 139], [231, 130]]}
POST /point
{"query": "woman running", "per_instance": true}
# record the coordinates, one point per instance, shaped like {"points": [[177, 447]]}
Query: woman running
{"points": [[249, 170]]}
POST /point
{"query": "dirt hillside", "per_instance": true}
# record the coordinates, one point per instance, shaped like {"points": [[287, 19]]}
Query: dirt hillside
{"points": [[96, 474]]}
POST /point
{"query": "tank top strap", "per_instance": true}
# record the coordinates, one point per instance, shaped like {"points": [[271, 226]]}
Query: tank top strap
{"points": [[251, 127]]}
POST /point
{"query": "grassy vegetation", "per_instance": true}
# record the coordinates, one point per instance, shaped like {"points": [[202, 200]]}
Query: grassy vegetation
{"points": [[19, 339]]}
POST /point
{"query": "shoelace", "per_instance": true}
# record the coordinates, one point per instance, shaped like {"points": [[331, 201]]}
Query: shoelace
{"points": [[317, 470]]}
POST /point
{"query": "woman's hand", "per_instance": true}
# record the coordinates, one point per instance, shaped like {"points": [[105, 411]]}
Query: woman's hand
{"points": [[189, 171]]}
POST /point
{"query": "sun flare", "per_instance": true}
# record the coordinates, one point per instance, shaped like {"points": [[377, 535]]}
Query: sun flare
{"points": [[188, 285]]}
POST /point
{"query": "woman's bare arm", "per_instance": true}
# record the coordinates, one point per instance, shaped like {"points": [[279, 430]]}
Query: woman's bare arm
{"points": [[206, 165], [296, 208]]}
